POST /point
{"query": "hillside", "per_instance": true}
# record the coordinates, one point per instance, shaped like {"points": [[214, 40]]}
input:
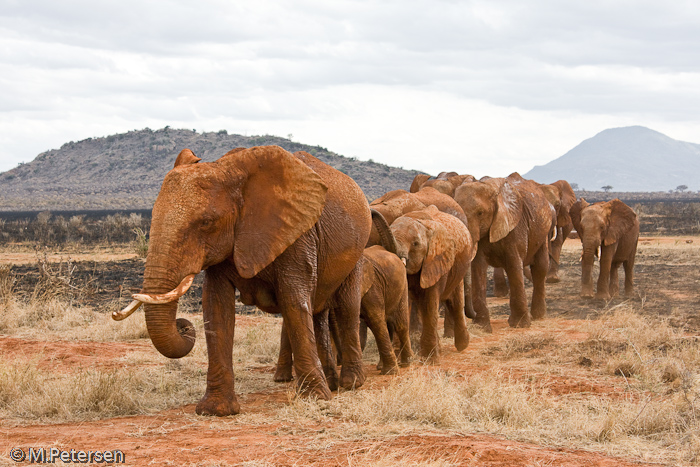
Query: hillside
{"points": [[125, 171], [627, 159]]}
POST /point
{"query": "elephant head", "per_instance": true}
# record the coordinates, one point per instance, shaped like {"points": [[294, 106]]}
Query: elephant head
{"points": [[492, 207], [445, 182], [246, 207], [599, 225], [427, 241], [391, 206]]}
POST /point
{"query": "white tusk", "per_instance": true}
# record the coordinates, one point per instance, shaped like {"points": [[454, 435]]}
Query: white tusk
{"points": [[159, 299], [126, 312], [556, 232], [403, 260]]}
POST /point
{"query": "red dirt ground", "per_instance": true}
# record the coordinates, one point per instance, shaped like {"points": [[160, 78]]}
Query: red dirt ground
{"points": [[179, 437]]}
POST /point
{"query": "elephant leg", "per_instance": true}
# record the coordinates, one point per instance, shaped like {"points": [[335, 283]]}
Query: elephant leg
{"points": [[606, 256], [468, 306], [352, 374], [325, 348], [500, 285], [429, 305], [218, 304], [363, 334], [283, 372], [335, 335], [479, 267], [519, 313], [539, 269], [449, 325], [555, 247], [527, 273], [629, 277], [376, 321], [415, 321], [401, 328], [614, 286], [455, 309]]}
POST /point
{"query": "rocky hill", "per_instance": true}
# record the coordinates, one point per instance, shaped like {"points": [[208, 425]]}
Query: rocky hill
{"points": [[626, 159], [125, 171]]}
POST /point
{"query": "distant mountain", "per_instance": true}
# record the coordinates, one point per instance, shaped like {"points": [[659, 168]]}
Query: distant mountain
{"points": [[125, 171], [627, 159]]}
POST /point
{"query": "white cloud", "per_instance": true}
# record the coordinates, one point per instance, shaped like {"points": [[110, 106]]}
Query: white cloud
{"points": [[514, 82]]}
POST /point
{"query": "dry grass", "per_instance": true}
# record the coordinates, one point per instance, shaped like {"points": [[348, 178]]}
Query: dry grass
{"points": [[654, 416]]}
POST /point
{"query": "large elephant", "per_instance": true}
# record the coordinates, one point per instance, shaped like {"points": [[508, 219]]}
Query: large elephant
{"points": [[613, 228], [286, 230], [512, 222], [438, 250], [445, 182], [384, 309]]}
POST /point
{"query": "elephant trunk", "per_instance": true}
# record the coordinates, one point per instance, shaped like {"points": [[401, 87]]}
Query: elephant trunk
{"points": [[587, 260], [174, 338], [386, 238]]}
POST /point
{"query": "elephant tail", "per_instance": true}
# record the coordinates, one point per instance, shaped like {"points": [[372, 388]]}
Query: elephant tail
{"points": [[386, 237]]}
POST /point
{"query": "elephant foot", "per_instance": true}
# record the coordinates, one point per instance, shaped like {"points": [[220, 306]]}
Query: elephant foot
{"points": [[433, 358], [218, 406], [283, 374], [332, 380], [539, 312], [519, 322], [389, 370], [352, 377], [318, 390], [501, 293], [404, 363], [586, 294], [553, 279], [629, 294], [485, 324], [602, 296], [461, 340], [449, 333]]}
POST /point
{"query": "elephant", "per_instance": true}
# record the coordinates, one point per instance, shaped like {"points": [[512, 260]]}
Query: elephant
{"points": [[384, 308], [511, 221], [285, 230], [613, 228], [445, 182], [438, 250], [561, 196]]}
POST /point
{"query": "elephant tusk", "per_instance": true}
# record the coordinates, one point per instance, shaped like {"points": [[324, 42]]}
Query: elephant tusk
{"points": [[126, 312], [403, 260], [159, 299]]}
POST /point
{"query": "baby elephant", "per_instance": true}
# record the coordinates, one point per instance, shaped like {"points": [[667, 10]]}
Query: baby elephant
{"points": [[384, 305]]}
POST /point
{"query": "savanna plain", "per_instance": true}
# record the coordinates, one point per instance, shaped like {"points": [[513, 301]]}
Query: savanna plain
{"points": [[594, 384]]}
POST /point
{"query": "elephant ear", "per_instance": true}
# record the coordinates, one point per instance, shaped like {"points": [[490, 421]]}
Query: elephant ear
{"points": [[575, 213], [568, 198], [621, 220], [418, 181], [508, 212], [185, 157], [282, 198], [553, 196], [441, 254]]}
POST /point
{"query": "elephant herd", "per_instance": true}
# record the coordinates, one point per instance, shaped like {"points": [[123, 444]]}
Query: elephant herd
{"points": [[296, 237]]}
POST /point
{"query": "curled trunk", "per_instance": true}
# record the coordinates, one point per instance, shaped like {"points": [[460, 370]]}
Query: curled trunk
{"points": [[587, 261], [174, 338]]}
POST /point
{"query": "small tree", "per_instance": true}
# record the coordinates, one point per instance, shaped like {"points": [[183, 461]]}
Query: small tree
{"points": [[681, 188], [574, 186], [606, 188]]}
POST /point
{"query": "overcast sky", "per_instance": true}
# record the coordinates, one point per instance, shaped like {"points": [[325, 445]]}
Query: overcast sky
{"points": [[480, 87]]}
